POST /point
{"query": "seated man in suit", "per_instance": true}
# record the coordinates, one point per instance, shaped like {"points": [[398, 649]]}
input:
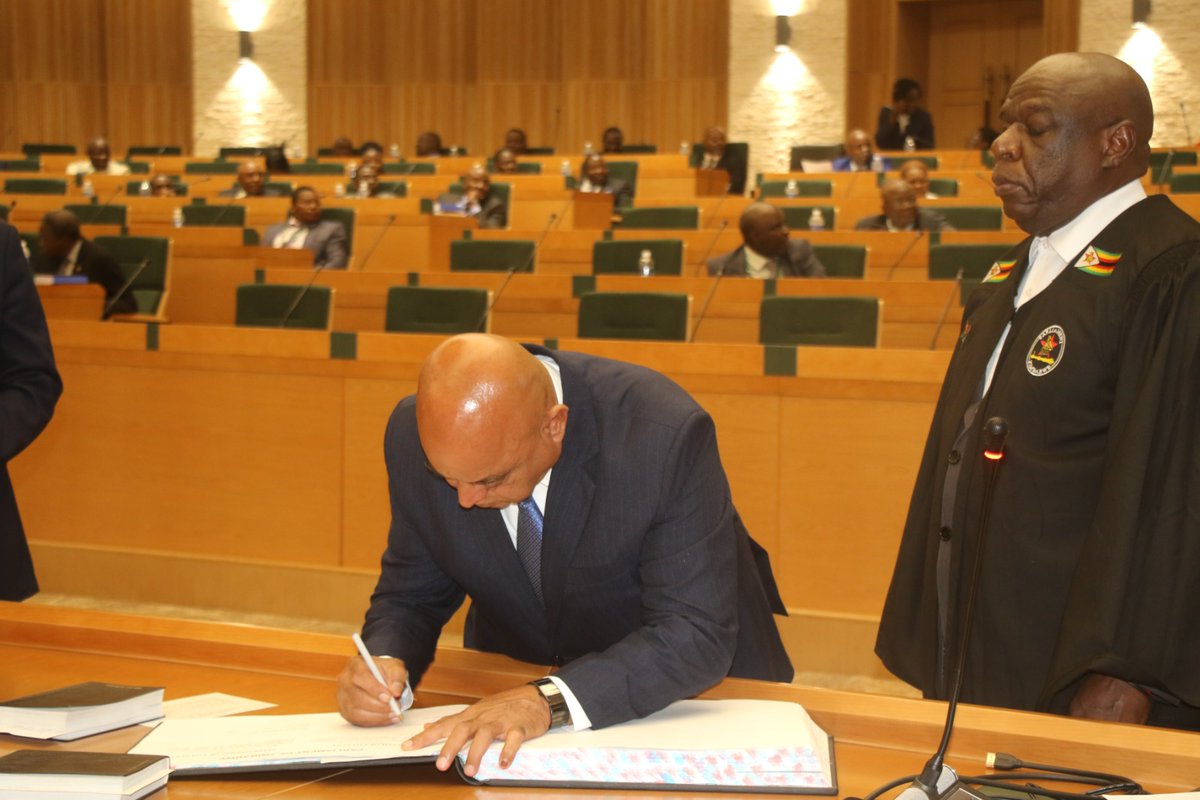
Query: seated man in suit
{"points": [[305, 229], [917, 175], [475, 201], [596, 181], [766, 250], [342, 146], [515, 140], [99, 160], [718, 156], [860, 157], [251, 182], [163, 186], [366, 183], [901, 213], [582, 506], [613, 140], [66, 252], [429, 145], [904, 122], [504, 162]]}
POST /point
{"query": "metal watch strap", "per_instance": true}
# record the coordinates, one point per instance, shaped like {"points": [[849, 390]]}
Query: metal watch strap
{"points": [[560, 715]]}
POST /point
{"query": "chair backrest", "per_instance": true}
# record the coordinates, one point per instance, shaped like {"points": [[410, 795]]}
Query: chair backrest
{"points": [[529, 151], [492, 255], [945, 260], [280, 305], [346, 217], [283, 187], [1161, 163], [25, 165], [317, 168], [811, 188], [35, 186], [622, 255], [133, 188], [973, 218], [35, 149], [843, 260], [240, 152], [436, 309], [798, 217], [397, 188], [944, 187], [812, 152], [151, 288], [210, 168], [637, 149], [696, 156], [154, 150], [1185, 182], [830, 321], [626, 171], [663, 217], [634, 315], [98, 214], [233, 216], [411, 168], [138, 167]]}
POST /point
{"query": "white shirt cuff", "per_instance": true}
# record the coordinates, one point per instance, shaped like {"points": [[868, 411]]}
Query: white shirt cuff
{"points": [[579, 717]]}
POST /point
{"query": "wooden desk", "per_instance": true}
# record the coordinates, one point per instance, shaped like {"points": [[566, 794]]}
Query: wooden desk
{"points": [[877, 738], [72, 301]]}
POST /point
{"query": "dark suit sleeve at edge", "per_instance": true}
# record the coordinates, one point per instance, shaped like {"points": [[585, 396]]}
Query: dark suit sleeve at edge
{"points": [[335, 253], [689, 600]]}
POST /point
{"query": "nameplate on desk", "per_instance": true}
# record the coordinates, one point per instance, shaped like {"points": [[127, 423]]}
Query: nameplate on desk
{"points": [[59, 280]]}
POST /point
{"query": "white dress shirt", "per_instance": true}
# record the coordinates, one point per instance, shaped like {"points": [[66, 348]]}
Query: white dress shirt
{"points": [[292, 237]]}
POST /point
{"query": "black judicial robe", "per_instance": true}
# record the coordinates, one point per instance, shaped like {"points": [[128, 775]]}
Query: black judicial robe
{"points": [[1093, 550]]}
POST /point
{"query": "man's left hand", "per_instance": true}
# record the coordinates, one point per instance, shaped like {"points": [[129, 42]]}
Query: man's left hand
{"points": [[512, 717], [1102, 697]]}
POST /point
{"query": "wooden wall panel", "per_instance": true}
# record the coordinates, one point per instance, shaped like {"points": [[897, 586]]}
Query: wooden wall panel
{"points": [[561, 71], [75, 69]]}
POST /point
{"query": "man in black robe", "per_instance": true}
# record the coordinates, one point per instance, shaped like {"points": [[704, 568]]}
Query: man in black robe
{"points": [[1086, 339]]}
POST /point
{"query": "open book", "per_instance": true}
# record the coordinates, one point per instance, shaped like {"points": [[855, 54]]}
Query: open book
{"points": [[753, 745]]}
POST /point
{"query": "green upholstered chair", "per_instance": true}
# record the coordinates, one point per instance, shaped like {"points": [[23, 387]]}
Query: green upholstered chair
{"points": [[803, 188], [899, 158], [397, 188], [636, 149], [529, 151], [98, 214], [1186, 182], [135, 188], [944, 187], [210, 168], [798, 217], [269, 305], [240, 152], [35, 186], [154, 150], [138, 167], [494, 255], [987, 159], [346, 217], [35, 149], [812, 152], [436, 309], [661, 217], [152, 286], [233, 216], [620, 256], [317, 168], [634, 315], [945, 260], [973, 218], [280, 186], [410, 168], [626, 171], [1162, 163], [22, 165], [843, 260], [829, 321]]}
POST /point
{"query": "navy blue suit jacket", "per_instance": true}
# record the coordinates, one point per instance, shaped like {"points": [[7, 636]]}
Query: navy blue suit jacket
{"points": [[652, 591]]}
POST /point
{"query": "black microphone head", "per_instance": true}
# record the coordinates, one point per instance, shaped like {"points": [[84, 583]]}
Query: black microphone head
{"points": [[995, 431]]}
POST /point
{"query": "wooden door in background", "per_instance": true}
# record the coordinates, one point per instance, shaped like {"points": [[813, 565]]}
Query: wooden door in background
{"points": [[977, 49]]}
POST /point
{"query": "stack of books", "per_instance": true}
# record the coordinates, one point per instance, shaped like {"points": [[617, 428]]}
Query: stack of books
{"points": [[68, 775], [80, 710]]}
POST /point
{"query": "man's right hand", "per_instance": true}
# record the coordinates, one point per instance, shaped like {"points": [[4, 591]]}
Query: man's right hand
{"points": [[361, 699]]}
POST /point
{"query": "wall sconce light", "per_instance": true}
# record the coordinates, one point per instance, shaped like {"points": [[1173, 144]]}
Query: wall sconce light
{"points": [[245, 46], [1141, 13], [783, 32]]}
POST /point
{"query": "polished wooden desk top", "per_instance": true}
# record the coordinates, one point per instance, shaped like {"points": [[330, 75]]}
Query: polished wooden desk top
{"points": [[878, 738]]}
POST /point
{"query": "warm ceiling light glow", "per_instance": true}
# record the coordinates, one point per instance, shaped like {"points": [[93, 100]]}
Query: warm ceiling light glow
{"points": [[247, 15]]}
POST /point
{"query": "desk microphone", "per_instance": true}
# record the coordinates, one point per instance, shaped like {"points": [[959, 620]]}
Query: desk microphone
{"points": [[98, 211], [525, 267], [709, 248], [300, 296], [903, 253], [378, 238], [957, 290], [128, 283], [225, 209], [1164, 174], [712, 289], [937, 781]]}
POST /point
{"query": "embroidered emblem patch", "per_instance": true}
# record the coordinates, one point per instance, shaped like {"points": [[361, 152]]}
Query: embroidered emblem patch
{"points": [[1095, 261], [999, 271], [1047, 351]]}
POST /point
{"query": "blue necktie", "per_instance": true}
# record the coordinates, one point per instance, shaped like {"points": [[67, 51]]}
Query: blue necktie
{"points": [[529, 543]]}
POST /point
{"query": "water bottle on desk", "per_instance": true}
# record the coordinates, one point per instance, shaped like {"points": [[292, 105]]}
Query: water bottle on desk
{"points": [[87, 188], [685, 148], [339, 190], [910, 144], [646, 264], [363, 189], [566, 168], [394, 150], [144, 189], [877, 164], [588, 149], [816, 220], [177, 217], [792, 190]]}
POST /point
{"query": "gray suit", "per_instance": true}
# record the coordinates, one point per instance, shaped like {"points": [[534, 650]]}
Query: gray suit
{"points": [[653, 591], [326, 239], [799, 261]]}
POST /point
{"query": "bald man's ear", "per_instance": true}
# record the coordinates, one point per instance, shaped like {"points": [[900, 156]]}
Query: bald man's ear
{"points": [[555, 424], [1120, 141]]}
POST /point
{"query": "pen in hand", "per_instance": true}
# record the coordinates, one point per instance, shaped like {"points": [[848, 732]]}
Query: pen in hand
{"points": [[371, 665]]}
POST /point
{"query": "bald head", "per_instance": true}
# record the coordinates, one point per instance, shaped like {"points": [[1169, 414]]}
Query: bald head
{"points": [[1078, 127], [488, 418], [858, 147], [252, 178], [764, 230]]}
